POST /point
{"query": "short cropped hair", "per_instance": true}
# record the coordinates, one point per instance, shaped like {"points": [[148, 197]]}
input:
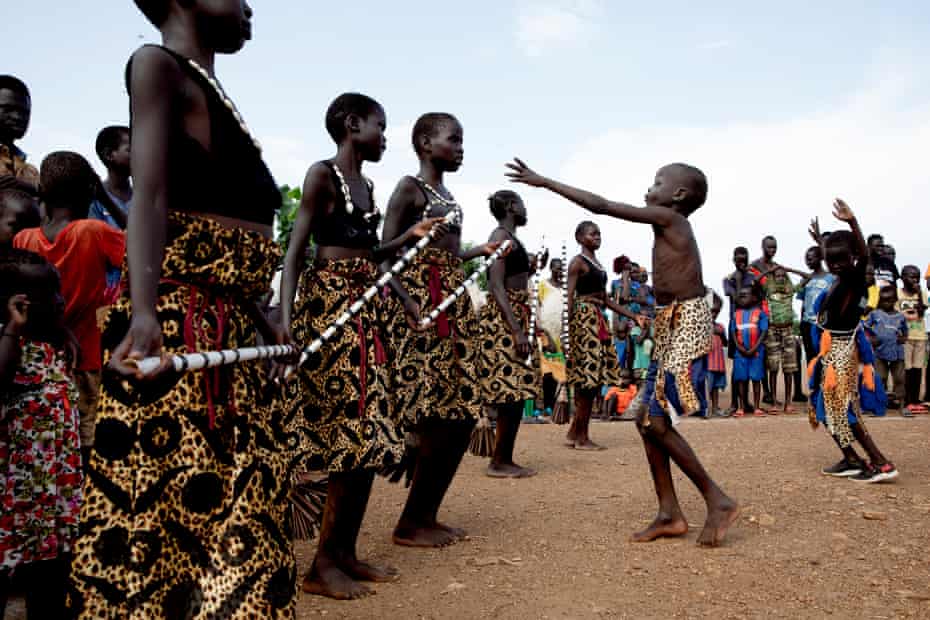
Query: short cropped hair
{"points": [[582, 228], [8, 82], [740, 249], [499, 200], [109, 139], [343, 106], [66, 178], [428, 125], [696, 184], [873, 237], [842, 239], [156, 11]]}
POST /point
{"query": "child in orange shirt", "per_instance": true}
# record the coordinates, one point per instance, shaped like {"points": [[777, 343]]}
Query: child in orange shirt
{"points": [[618, 398]]}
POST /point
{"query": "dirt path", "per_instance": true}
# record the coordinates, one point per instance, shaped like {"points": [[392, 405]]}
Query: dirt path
{"points": [[556, 546]]}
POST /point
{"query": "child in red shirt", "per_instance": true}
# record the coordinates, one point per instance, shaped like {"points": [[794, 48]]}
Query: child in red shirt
{"points": [[81, 250], [717, 361]]}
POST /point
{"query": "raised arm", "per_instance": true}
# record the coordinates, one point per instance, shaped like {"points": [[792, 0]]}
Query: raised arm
{"points": [[658, 216], [842, 212]]}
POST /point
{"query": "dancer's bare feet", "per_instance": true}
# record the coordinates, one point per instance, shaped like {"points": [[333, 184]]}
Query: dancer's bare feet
{"points": [[423, 536], [363, 571], [510, 470], [719, 519], [457, 532], [327, 579], [663, 527], [589, 446]]}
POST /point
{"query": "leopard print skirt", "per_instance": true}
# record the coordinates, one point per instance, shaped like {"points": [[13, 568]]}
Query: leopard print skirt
{"points": [[338, 408], [683, 332], [435, 372], [592, 362], [186, 492], [842, 401], [505, 376]]}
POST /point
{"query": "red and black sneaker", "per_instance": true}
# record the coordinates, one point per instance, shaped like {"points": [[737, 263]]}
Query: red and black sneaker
{"points": [[880, 473]]}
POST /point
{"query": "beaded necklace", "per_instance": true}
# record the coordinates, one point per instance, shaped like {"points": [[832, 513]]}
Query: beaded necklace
{"points": [[350, 206], [448, 202], [225, 99]]}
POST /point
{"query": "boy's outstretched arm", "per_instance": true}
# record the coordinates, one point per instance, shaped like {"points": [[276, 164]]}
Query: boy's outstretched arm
{"points": [[521, 173]]}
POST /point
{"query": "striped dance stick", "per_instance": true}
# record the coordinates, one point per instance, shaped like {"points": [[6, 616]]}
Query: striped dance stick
{"points": [[448, 301], [565, 335], [211, 359], [534, 303]]}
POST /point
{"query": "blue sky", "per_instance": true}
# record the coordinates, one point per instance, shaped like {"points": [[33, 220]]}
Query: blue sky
{"points": [[784, 106]]}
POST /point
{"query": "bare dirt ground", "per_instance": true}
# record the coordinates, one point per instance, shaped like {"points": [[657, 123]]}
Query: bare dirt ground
{"points": [[556, 546]]}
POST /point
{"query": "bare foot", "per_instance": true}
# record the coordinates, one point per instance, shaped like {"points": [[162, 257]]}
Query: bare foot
{"points": [[719, 520], [510, 470], [589, 446], [662, 527], [457, 532], [364, 571], [325, 579], [433, 536]]}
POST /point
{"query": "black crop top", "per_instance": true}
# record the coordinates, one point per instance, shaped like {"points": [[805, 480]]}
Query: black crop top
{"points": [[230, 179], [593, 281], [356, 230], [518, 261]]}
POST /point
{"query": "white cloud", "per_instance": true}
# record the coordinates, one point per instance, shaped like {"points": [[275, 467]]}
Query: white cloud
{"points": [[765, 178], [543, 26]]}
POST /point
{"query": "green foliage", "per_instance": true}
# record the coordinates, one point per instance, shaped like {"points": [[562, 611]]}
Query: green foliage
{"points": [[290, 203], [471, 267]]}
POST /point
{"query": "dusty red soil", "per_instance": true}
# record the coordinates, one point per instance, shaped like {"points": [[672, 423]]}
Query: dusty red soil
{"points": [[556, 546]]}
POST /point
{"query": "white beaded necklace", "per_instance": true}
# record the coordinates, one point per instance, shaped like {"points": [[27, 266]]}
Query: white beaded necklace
{"points": [[448, 202], [225, 99], [350, 206]]}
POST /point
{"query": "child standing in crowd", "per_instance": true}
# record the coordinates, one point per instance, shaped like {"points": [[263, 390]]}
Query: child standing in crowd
{"points": [[716, 361], [779, 341], [912, 302], [812, 286], [15, 110], [888, 331], [749, 327], [40, 473], [113, 150], [18, 210], [82, 250]]}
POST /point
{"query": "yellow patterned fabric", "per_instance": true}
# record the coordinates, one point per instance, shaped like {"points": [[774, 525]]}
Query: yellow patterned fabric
{"points": [[683, 332], [338, 408], [435, 371], [505, 376], [187, 489], [592, 361]]}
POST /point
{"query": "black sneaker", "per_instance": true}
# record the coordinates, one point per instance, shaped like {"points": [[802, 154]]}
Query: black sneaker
{"points": [[843, 469], [876, 474]]}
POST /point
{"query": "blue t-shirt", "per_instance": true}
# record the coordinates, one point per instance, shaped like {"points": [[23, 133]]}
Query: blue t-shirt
{"points": [[886, 327], [99, 212], [809, 294]]}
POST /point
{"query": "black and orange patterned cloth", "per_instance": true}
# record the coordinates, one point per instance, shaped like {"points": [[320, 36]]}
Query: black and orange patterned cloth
{"points": [[592, 362], [338, 407], [505, 375], [187, 490], [435, 373]]}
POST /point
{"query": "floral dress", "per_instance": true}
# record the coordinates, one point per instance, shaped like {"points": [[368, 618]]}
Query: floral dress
{"points": [[40, 461]]}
